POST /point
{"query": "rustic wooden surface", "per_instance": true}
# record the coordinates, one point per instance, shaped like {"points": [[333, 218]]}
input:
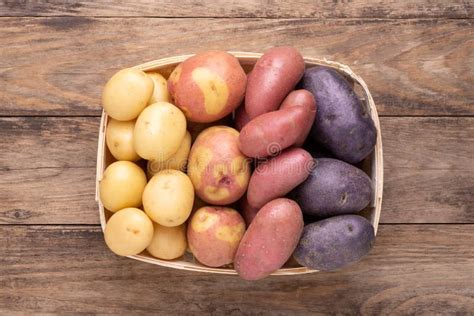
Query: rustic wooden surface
{"points": [[412, 268], [413, 67], [243, 8], [417, 58]]}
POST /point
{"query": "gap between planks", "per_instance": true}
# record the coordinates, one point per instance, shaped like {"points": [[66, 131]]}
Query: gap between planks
{"points": [[235, 17]]}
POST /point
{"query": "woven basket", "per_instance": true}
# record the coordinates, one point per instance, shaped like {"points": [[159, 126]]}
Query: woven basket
{"points": [[373, 164]]}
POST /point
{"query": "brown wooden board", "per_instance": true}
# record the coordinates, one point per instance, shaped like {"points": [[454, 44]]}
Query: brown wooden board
{"points": [[58, 66], [48, 196], [428, 196], [412, 269], [246, 8], [47, 170], [48, 142], [417, 58]]}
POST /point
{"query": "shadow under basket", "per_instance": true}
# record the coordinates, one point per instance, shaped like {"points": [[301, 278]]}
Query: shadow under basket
{"points": [[372, 165]]}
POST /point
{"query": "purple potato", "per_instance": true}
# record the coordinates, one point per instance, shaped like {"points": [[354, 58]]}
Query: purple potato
{"points": [[335, 242], [342, 124], [333, 187]]}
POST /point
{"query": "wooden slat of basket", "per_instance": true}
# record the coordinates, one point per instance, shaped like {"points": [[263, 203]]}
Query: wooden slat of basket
{"points": [[248, 58]]}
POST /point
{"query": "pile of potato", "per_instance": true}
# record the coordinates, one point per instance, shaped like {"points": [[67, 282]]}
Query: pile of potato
{"points": [[234, 161]]}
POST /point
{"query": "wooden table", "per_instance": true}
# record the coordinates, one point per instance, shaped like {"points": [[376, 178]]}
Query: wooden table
{"points": [[418, 60]]}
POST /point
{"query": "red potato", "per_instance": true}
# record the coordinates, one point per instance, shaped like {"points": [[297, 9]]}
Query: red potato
{"points": [[275, 74], [214, 234], [248, 212], [208, 86], [278, 176], [305, 99], [270, 240], [272, 132], [241, 118], [219, 171]]}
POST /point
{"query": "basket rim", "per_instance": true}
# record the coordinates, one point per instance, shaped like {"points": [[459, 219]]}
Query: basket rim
{"points": [[251, 57]]}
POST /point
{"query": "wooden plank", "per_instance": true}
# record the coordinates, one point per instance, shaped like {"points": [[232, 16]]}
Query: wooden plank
{"points": [[428, 196], [430, 143], [428, 170], [423, 269], [48, 196], [412, 67], [246, 8], [47, 170], [48, 142]]}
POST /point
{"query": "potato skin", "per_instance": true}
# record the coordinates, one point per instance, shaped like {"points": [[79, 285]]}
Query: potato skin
{"points": [[128, 232], [214, 233], [119, 138], [305, 99], [342, 124], [269, 240], [335, 242], [276, 177], [159, 131], [274, 75], [334, 187], [168, 198], [168, 243], [160, 91], [122, 185], [126, 94], [177, 162], [208, 86], [218, 169], [270, 133]]}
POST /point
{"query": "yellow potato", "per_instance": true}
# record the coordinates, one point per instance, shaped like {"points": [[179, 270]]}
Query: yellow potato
{"points": [[159, 131], [128, 232], [122, 186], [119, 138], [126, 94], [168, 198], [176, 162], [160, 92], [168, 242]]}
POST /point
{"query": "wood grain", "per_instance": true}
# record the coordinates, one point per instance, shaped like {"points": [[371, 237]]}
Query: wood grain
{"points": [[416, 56], [428, 196], [428, 170], [48, 196], [246, 8], [48, 167], [431, 143], [48, 142], [421, 269], [412, 67]]}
